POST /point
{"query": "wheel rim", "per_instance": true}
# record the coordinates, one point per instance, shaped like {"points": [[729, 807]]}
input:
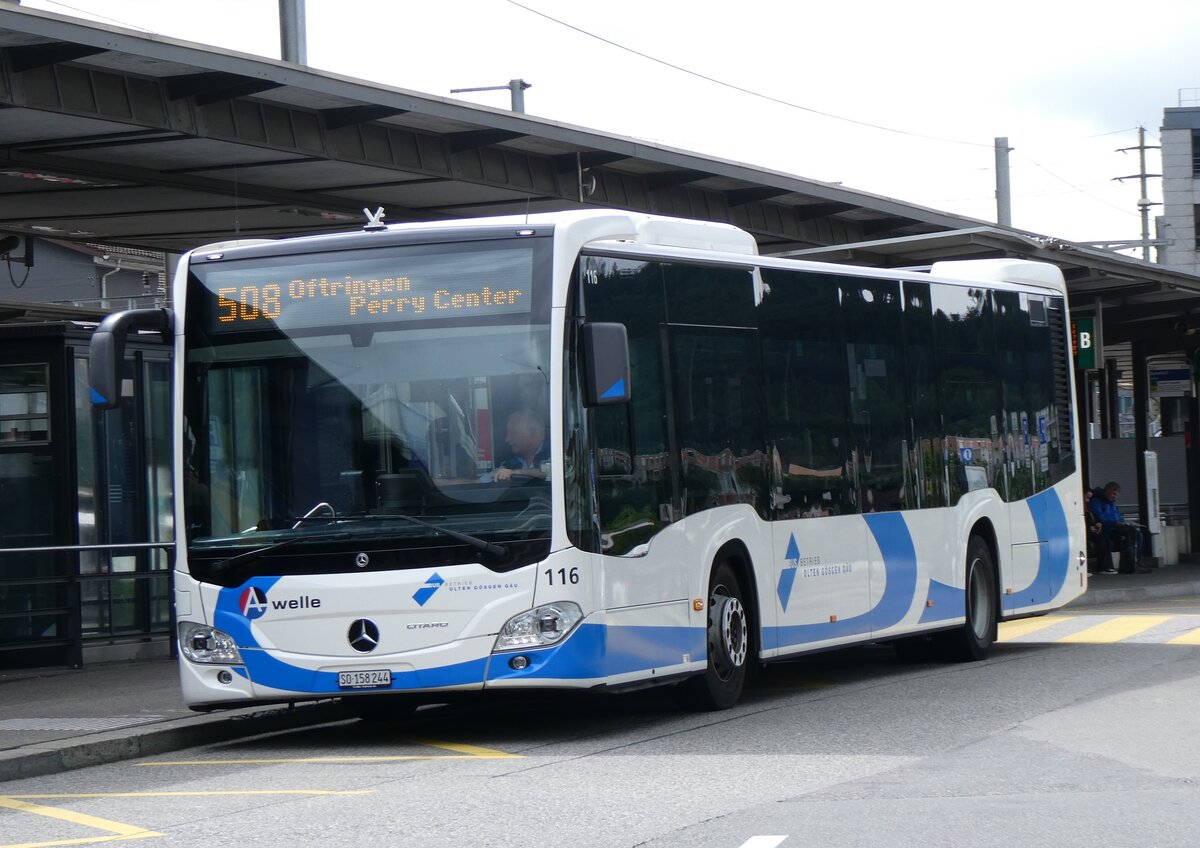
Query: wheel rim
{"points": [[979, 597], [727, 637]]}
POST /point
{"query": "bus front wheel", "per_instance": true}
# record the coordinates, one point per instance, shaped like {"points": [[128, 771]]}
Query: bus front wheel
{"points": [[974, 639], [728, 642]]}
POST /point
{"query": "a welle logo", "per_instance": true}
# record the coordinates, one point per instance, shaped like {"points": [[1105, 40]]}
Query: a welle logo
{"points": [[254, 603]]}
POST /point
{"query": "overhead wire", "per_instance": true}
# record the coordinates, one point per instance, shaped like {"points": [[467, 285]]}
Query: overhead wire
{"points": [[1067, 182], [96, 15], [741, 89], [809, 109]]}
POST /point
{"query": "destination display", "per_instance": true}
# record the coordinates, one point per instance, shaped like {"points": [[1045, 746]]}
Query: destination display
{"points": [[302, 292]]}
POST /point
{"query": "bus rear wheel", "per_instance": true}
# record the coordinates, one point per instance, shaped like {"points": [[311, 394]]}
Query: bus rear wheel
{"points": [[728, 641], [975, 638]]}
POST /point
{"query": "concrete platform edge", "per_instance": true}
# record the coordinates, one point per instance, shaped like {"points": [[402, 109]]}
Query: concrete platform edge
{"points": [[148, 740], [1104, 594]]}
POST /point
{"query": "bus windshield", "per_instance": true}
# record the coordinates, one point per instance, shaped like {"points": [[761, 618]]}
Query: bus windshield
{"points": [[318, 397]]}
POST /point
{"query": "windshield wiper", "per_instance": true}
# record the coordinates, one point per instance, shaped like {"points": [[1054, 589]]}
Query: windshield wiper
{"points": [[490, 548], [220, 569], [322, 505]]}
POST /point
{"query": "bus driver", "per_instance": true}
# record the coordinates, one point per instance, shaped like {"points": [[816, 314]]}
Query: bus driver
{"points": [[525, 435]]}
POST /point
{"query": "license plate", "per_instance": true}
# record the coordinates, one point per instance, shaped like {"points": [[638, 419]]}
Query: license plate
{"points": [[372, 679]]}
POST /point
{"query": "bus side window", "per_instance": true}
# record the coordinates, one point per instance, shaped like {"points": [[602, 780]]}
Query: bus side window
{"points": [[804, 367], [926, 464], [877, 379], [633, 471], [968, 384], [718, 417]]}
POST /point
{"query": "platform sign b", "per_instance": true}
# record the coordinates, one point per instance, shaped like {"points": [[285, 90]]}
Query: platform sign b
{"points": [[1083, 342]]}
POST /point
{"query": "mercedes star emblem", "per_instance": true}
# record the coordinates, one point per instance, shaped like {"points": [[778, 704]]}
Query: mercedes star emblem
{"points": [[363, 636], [362, 560]]}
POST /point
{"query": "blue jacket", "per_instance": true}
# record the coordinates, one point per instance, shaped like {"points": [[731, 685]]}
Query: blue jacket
{"points": [[542, 455], [1106, 511]]}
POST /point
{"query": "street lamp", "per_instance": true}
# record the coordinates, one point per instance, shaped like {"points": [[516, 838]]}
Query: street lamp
{"points": [[516, 87]]}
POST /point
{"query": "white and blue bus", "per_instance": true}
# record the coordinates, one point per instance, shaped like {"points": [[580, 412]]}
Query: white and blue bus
{"points": [[600, 449]]}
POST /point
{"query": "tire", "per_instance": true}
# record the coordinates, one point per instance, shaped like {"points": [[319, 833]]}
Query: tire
{"points": [[974, 639], [728, 641]]}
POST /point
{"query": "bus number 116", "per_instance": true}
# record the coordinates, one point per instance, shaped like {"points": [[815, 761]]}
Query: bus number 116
{"points": [[564, 576]]}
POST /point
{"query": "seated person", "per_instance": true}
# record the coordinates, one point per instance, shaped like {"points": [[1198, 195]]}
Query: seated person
{"points": [[1118, 534], [525, 435], [1099, 555]]}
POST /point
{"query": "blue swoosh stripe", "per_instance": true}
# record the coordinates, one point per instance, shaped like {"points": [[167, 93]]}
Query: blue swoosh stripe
{"points": [[1054, 561], [948, 602], [900, 564]]}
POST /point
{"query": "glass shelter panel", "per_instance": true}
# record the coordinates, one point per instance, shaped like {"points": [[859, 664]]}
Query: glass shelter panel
{"points": [[33, 598], [24, 404]]}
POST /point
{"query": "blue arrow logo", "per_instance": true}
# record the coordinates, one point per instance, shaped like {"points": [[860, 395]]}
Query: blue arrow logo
{"points": [[787, 576], [426, 591]]}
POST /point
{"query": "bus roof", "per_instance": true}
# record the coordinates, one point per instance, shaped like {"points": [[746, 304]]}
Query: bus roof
{"points": [[589, 226], [580, 227], [1021, 271]]}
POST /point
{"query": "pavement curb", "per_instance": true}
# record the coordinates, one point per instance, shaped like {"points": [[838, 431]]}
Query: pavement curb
{"points": [[1133, 594], [144, 740]]}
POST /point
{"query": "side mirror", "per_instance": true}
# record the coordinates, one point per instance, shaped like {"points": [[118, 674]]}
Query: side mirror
{"points": [[606, 364], [107, 352]]}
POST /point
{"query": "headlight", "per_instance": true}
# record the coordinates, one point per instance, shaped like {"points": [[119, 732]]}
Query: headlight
{"points": [[544, 625], [203, 644]]}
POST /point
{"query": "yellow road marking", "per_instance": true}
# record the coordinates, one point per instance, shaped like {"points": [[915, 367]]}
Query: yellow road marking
{"points": [[198, 793], [274, 760], [1115, 630], [87, 840], [1017, 629], [1192, 637], [115, 830], [462, 752], [472, 750]]}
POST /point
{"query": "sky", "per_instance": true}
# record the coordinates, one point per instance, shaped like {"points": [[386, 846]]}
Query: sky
{"points": [[902, 100]]}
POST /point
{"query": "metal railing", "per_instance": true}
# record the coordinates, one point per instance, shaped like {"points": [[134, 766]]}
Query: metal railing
{"points": [[1174, 513], [137, 301], [75, 581]]}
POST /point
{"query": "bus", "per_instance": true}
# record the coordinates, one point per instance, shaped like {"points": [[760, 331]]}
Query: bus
{"points": [[599, 450]]}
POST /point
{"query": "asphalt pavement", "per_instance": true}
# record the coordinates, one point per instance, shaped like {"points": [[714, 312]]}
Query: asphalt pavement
{"points": [[55, 719]]}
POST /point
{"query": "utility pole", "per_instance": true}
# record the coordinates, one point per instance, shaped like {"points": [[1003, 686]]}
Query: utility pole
{"points": [[1143, 203], [293, 45], [1003, 193]]}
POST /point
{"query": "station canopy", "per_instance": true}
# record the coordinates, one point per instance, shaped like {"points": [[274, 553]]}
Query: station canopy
{"points": [[119, 137], [112, 135]]}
